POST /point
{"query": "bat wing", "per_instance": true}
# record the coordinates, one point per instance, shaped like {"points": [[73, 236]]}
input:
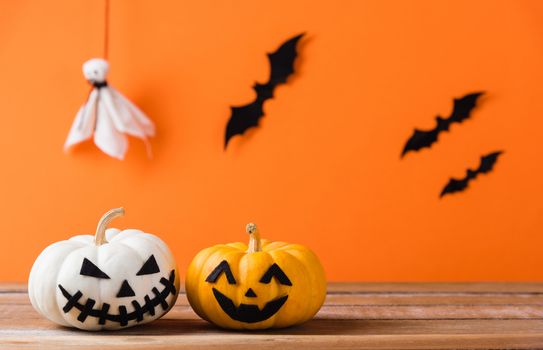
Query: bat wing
{"points": [[243, 118], [463, 106], [281, 67], [487, 164], [488, 161], [454, 185], [461, 111], [420, 139], [282, 61]]}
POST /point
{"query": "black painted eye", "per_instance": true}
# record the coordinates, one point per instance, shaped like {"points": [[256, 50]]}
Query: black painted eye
{"points": [[216, 273], [149, 267], [275, 271], [89, 269]]}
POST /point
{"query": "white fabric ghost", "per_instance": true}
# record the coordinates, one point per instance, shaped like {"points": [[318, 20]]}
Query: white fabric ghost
{"points": [[108, 115]]}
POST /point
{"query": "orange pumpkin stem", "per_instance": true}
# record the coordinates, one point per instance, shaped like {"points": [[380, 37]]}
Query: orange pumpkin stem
{"points": [[254, 238], [100, 236]]}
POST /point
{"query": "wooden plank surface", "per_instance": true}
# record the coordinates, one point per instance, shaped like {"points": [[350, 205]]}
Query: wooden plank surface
{"points": [[355, 316]]}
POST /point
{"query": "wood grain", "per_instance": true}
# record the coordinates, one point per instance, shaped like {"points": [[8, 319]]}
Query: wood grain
{"points": [[355, 316]]}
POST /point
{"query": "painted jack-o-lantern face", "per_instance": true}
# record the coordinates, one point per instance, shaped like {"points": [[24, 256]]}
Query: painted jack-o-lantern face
{"points": [[125, 297], [114, 280], [249, 313], [264, 285]]}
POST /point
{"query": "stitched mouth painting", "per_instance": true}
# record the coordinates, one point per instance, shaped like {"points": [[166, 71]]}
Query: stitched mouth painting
{"points": [[123, 316], [115, 294]]}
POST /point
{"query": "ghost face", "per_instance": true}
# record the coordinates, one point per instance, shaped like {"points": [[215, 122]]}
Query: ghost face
{"points": [[114, 290], [95, 70]]}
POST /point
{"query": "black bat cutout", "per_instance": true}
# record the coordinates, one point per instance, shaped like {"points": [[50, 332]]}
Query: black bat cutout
{"points": [[486, 165], [281, 67], [461, 111]]}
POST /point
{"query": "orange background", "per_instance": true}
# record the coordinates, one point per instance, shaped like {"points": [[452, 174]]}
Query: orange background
{"points": [[324, 167]]}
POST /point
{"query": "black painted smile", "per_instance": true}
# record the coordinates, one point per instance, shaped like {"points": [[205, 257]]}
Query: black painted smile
{"points": [[248, 313], [122, 317]]}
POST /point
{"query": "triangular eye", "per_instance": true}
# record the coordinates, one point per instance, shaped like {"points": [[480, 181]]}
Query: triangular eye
{"points": [[216, 273], [89, 269], [275, 271], [149, 267]]}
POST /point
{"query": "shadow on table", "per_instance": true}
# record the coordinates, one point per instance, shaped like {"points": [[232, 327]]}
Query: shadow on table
{"points": [[195, 327]]}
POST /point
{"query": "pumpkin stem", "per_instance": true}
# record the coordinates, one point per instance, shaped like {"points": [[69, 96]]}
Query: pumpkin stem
{"points": [[100, 236], [254, 238]]}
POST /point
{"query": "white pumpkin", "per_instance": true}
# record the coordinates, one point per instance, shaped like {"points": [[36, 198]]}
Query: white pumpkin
{"points": [[115, 279]]}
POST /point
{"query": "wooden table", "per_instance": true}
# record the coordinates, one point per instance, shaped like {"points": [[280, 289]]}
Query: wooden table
{"points": [[355, 316]]}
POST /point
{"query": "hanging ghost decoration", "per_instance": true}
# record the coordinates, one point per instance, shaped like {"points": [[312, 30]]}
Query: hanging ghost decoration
{"points": [[108, 115]]}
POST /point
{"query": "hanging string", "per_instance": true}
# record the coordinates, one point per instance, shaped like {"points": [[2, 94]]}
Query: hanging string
{"points": [[106, 29]]}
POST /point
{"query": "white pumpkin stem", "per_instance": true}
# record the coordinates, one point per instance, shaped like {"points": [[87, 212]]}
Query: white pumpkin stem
{"points": [[254, 238], [100, 236]]}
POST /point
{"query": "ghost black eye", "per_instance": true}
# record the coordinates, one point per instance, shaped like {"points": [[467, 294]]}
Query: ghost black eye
{"points": [[149, 267], [89, 269], [275, 271], [223, 267]]}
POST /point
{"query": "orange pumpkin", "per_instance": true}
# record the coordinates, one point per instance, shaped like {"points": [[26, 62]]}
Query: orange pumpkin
{"points": [[263, 285]]}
